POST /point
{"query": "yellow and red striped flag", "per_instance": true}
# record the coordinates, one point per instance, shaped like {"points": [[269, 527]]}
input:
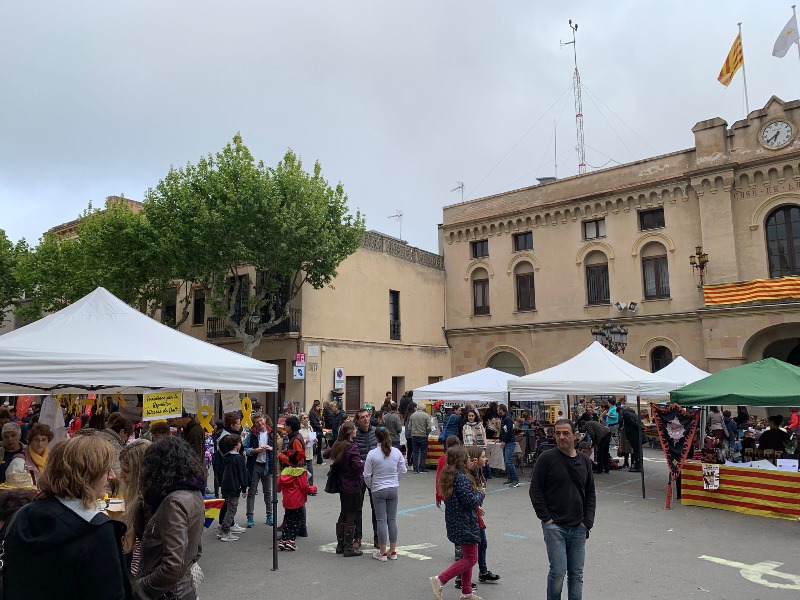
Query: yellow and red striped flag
{"points": [[732, 63]]}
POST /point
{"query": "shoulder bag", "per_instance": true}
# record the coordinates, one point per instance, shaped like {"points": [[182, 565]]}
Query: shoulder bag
{"points": [[332, 483]]}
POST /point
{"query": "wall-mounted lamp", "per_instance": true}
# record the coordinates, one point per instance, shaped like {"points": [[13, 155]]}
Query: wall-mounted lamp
{"points": [[623, 306], [699, 260]]}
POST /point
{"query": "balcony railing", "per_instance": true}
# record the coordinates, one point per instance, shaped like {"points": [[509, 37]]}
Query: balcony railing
{"points": [[215, 326], [394, 330]]}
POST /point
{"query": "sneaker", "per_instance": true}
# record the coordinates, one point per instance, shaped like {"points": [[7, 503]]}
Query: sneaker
{"points": [[488, 576], [228, 537], [381, 557], [290, 545], [458, 584], [281, 545], [514, 483], [269, 520], [237, 528], [470, 597], [436, 586], [393, 555], [250, 522]]}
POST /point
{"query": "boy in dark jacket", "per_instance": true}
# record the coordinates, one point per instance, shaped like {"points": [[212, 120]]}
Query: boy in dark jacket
{"points": [[293, 482], [234, 481]]}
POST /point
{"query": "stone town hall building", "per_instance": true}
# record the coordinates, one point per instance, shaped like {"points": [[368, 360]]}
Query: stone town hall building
{"points": [[529, 272]]}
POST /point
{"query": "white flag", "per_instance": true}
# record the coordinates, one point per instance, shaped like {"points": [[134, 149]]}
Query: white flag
{"points": [[788, 36]]}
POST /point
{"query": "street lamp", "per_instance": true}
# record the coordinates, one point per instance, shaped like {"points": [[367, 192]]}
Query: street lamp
{"points": [[612, 337], [699, 260]]}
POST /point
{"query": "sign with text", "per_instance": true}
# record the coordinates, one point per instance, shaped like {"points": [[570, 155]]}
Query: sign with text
{"points": [[190, 401], [300, 360], [338, 377], [161, 405], [230, 402]]}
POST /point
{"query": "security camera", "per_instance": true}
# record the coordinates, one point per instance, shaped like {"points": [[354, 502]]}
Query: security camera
{"points": [[632, 306], [620, 306]]}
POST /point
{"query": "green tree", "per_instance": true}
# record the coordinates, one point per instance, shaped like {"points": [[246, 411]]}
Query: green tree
{"points": [[114, 248], [10, 290], [229, 212]]}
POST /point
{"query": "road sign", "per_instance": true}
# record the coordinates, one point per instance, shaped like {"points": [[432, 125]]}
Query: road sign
{"points": [[338, 377], [300, 359], [299, 372]]}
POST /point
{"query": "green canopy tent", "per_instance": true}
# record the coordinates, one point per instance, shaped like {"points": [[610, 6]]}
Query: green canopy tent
{"points": [[768, 382]]}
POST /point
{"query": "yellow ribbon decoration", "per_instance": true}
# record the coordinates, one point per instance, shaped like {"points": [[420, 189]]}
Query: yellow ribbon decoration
{"points": [[157, 421], [247, 409], [204, 415]]}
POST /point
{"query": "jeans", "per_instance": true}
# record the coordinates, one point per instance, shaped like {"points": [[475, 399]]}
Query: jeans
{"points": [[566, 549], [508, 457], [409, 450], [318, 447], [266, 486], [231, 504], [385, 503], [482, 567], [420, 453], [462, 567], [310, 469], [359, 516]]}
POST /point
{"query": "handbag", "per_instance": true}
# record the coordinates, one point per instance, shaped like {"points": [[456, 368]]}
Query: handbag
{"points": [[332, 483]]}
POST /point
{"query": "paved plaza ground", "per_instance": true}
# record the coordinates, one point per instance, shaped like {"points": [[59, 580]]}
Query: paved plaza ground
{"points": [[637, 549]]}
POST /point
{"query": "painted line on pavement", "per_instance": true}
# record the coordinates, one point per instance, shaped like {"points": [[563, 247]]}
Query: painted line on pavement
{"points": [[518, 536]]}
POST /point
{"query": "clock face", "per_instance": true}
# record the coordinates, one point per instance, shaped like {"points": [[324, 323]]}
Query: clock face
{"points": [[777, 134]]}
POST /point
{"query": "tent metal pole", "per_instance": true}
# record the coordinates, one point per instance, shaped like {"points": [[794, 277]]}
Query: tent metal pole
{"points": [[641, 440], [274, 474]]}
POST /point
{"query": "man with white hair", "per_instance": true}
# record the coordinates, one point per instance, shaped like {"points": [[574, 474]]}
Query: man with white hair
{"points": [[12, 445]]}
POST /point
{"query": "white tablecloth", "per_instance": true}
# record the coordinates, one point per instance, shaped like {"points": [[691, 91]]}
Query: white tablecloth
{"points": [[494, 452]]}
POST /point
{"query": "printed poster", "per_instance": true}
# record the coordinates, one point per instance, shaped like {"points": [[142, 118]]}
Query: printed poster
{"points": [[710, 477]]}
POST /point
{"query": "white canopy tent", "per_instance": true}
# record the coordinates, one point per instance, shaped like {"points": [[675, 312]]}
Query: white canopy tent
{"points": [[485, 385], [100, 344], [595, 371], [680, 369]]}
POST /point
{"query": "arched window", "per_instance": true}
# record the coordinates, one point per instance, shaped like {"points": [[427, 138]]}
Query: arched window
{"points": [[508, 363], [660, 357], [597, 288], [655, 272], [480, 292], [523, 280], [783, 241]]}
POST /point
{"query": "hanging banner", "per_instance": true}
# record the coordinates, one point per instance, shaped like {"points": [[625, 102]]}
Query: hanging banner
{"points": [[676, 427], [190, 402], [161, 405], [230, 402]]}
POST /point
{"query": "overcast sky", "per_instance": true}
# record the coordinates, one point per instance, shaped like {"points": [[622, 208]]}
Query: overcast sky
{"points": [[397, 100]]}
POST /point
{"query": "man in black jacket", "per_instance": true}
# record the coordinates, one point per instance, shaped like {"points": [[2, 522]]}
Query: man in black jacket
{"points": [[509, 443], [366, 441], [562, 494]]}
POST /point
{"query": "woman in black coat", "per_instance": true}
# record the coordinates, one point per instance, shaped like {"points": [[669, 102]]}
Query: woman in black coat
{"points": [[61, 545]]}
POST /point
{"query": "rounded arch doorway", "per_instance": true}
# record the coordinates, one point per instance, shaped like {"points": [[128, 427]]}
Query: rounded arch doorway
{"points": [[508, 363], [787, 350]]}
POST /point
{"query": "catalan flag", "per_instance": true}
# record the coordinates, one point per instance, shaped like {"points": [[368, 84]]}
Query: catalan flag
{"points": [[757, 290], [213, 506], [732, 63]]}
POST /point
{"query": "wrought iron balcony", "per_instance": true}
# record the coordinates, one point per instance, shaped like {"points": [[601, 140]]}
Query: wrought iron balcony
{"points": [[215, 326], [394, 330]]}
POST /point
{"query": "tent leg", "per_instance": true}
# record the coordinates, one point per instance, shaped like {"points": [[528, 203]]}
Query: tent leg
{"points": [[274, 475], [641, 440]]}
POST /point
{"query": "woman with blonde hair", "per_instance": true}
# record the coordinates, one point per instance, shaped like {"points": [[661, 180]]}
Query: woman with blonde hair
{"points": [[130, 464], [462, 499], [65, 526]]}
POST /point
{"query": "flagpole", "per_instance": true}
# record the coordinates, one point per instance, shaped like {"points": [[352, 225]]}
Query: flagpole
{"points": [[744, 72], [794, 12]]}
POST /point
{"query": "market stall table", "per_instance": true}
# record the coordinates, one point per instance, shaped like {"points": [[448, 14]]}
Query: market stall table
{"points": [[748, 490]]}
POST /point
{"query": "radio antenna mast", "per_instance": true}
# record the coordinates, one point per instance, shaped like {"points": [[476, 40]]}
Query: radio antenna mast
{"points": [[398, 216], [460, 186], [576, 84]]}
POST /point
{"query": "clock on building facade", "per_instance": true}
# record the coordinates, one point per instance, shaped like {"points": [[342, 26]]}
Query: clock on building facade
{"points": [[777, 134]]}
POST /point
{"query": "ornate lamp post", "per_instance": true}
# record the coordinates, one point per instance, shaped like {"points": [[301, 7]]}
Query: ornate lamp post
{"points": [[612, 337], [699, 260]]}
